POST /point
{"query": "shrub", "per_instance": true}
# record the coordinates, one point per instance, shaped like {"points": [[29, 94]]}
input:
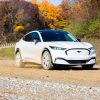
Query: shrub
{"points": [[85, 29], [94, 25], [62, 24], [78, 29]]}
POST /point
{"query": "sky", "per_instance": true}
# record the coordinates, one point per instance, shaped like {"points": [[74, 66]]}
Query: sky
{"points": [[55, 2]]}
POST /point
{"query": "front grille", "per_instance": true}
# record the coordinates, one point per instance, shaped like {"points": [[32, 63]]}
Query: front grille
{"points": [[76, 61], [77, 51]]}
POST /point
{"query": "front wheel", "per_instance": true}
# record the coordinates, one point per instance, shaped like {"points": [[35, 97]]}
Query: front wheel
{"points": [[87, 66], [47, 61]]}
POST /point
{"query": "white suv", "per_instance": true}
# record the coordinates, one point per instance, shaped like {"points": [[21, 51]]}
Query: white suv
{"points": [[54, 47]]}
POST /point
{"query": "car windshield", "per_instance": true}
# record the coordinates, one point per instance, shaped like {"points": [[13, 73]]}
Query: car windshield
{"points": [[49, 36]]}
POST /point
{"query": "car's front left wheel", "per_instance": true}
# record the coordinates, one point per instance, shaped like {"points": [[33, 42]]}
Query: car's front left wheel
{"points": [[47, 61], [19, 62]]}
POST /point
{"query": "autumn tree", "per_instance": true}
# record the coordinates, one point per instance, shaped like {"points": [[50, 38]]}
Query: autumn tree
{"points": [[15, 14], [84, 10], [95, 5], [50, 12], [6, 21], [66, 9], [34, 1]]}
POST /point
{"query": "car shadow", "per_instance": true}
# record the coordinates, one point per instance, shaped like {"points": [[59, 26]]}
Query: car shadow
{"points": [[76, 68], [35, 66], [61, 67]]}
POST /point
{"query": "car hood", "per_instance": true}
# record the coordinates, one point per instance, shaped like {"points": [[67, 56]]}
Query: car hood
{"points": [[69, 45]]}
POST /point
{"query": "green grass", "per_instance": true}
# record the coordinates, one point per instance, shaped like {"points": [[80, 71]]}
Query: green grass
{"points": [[7, 53]]}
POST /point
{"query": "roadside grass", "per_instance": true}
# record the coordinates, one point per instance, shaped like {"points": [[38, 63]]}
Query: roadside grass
{"points": [[96, 44], [7, 53]]}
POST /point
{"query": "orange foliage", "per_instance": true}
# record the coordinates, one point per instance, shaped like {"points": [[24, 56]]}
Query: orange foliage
{"points": [[34, 1], [50, 12]]}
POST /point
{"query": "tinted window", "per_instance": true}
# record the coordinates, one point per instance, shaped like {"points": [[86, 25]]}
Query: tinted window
{"points": [[31, 36], [27, 37], [57, 36], [35, 35]]}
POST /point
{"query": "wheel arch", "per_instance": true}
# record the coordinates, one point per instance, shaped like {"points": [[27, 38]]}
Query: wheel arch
{"points": [[17, 50], [46, 49]]}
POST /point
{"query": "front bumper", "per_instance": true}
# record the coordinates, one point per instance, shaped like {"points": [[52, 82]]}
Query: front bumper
{"points": [[63, 61], [60, 57]]}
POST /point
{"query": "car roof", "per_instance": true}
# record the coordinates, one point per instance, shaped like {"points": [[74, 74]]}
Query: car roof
{"points": [[48, 30]]}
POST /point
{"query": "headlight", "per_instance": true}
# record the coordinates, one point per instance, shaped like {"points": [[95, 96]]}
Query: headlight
{"points": [[56, 48], [92, 50]]}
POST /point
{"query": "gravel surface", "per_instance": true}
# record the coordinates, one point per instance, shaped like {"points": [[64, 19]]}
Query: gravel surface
{"points": [[34, 83], [24, 89], [72, 75]]}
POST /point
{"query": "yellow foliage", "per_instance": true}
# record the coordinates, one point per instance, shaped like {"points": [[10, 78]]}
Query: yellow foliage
{"points": [[19, 28]]}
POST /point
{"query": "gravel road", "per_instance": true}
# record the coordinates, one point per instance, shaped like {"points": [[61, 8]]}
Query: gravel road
{"points": [[22, 89], [34, 83]]}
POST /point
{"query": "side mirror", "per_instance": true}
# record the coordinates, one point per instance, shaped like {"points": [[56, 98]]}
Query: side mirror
{"points": [[79, 40], [36, 40]]}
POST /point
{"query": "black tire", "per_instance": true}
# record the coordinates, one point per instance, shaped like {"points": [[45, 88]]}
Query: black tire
{"points": [[88, 67], [47, 61], [19, 62]]}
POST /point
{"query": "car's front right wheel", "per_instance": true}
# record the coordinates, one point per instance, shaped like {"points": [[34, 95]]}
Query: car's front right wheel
{"points": [[47, 61]]}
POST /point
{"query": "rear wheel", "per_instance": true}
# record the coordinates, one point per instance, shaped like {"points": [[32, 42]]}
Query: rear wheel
{"points": [[47, 61], [19, 62], [87, 66]]}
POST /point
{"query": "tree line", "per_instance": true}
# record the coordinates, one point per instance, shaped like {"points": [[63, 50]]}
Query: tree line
{"points": [[18, 17]]}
